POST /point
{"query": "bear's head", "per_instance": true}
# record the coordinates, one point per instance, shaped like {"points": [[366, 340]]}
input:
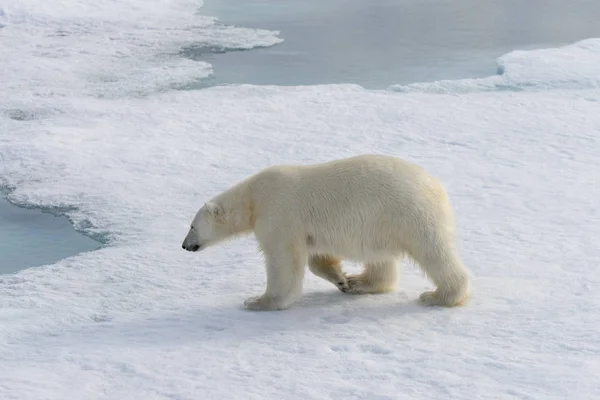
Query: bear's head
{"points": [[207, 228]]}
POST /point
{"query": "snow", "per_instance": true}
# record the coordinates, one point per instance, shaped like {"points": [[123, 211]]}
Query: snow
{"points": [[142, 318]]}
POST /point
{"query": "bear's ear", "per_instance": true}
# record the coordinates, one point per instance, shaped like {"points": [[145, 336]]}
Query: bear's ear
{"points": [[214, 209]]}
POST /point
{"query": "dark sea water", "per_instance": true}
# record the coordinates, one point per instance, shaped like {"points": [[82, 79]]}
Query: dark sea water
{"points": [[379, 43], [30, 237]]}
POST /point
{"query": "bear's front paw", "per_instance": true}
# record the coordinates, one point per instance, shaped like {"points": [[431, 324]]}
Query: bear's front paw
{"points": [[261, 303]]}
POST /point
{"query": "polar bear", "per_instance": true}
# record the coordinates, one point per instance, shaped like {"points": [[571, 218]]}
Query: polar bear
{"points": [[372, 209]]}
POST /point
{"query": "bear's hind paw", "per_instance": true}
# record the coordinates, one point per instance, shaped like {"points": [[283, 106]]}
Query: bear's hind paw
{"points": [[356, 285], [261, 303], [434, 298]]}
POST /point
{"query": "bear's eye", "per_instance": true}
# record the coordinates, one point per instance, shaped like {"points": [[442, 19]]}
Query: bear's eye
{"points": [[193, 227]]}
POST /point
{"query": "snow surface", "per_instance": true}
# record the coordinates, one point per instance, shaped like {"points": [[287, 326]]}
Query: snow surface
{"points": [[143, 319]]}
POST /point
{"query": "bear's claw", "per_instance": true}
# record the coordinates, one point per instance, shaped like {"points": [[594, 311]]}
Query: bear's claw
{"points": [[343, 286]]}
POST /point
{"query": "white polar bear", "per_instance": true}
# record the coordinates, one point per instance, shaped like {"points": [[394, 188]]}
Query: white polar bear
{"points": [[370, 208]]}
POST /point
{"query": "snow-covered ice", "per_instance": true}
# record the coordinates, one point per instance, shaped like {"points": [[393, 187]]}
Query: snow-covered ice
{"points": [[109, 48], [143, 319], [575, 66]]}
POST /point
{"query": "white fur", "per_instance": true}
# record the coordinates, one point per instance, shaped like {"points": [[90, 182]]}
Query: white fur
{"points": [[371, 209]]}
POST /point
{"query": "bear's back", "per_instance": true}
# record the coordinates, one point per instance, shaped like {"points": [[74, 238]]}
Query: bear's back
{"points": [[367, 178], [351, 198]]}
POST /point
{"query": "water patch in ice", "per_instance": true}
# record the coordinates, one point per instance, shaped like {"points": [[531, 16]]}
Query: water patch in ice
{"points": [[20, 115], [81, 225], [24, 113], [31, 237]]}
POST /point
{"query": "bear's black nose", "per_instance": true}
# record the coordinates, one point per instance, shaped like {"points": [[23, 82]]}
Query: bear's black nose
{"points": [[183, 246]]}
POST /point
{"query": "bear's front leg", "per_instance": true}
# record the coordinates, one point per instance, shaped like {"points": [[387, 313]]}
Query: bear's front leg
{"points": [[285, 276]]}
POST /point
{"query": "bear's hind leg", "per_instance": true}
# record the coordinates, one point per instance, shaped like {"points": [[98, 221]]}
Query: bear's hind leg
{"points": [[328, 268], [285, 276], [446, 271], [377, 277]]}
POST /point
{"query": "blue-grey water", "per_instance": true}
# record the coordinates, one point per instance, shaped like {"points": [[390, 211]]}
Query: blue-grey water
{"points": [[30, 237], [374, 43], [379, 43]]}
